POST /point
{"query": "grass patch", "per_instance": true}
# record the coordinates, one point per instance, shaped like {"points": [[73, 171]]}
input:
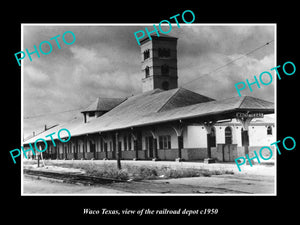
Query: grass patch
{"points": [[134, 172]]}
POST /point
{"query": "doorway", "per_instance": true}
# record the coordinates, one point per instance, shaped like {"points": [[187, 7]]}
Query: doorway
{"points": [[93, 149], [228, 135], [149, 146]]}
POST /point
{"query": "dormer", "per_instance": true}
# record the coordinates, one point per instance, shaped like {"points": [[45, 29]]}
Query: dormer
{"points": [[99, 107]]}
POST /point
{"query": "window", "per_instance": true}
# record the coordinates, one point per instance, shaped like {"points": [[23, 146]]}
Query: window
{"points": [[111, 146], [213, 137], [164, 69], [120, 146], [228, 135], [269, 130], [146, 54], [105, 146], [129, 142], [165, 85], [163, 52], [147, 71], [164, 142], [125, 142], [148, 142]]}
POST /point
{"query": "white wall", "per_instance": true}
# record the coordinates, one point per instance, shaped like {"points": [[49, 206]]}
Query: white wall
{"points": [[196, 135]]}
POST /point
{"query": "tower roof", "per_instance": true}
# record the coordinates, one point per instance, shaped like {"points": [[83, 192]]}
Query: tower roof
{"points": [[155, 37]]}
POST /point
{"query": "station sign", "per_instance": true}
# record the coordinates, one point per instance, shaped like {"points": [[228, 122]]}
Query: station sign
{"points": [[240, 115]]}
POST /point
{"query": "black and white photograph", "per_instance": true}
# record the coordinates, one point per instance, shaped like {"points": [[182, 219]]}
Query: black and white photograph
{"points": [[143, 111], [105, 113]]}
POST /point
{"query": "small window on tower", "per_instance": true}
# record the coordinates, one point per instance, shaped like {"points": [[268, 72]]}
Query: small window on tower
{"points": [[165, 69], [163, 52], [147, 71], [146, 54], [165, 85]]}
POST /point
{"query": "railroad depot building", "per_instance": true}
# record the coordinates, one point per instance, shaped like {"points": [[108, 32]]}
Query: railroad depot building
{"points": [[164, 122]]}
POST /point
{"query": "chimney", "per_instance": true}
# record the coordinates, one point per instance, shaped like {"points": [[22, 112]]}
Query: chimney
{"points": [[45, 127]]}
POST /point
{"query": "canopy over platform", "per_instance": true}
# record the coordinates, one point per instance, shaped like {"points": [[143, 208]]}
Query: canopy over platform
{"points": [[153, 108]]}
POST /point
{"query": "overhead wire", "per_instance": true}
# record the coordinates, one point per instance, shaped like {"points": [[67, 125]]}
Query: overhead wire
{"points": [[41, 115], [232, 61]]}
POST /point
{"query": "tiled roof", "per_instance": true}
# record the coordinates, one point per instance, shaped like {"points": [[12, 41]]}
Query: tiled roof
{"points": [[159, 106]]}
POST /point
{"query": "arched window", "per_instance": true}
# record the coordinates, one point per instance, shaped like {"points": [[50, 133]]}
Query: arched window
{"points": [[269, 130], [147, 71], [146, 54], [228, 135], [165, 69], [163, 52], [165, 85]]}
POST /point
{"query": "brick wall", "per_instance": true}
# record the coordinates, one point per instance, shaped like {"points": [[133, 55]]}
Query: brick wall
{"points": [[167, 154], [194, 153]]}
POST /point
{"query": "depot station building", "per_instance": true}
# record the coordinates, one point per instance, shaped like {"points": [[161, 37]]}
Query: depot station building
{"points": [[164, 122]]}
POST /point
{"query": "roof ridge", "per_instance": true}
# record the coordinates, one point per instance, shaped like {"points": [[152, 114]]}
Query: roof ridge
{"points": [[242, 101], [172, 96], [110, 97]]}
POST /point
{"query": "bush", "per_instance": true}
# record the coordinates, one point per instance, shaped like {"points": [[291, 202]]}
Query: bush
{"points": [[135, 172]]}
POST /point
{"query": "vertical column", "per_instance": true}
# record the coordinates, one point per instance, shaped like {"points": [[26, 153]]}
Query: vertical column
{"points": [[208, 126], [105, 146], [180, 145], [179, 132], [76, 148], [84, 150], [245, 136], [118, 151], [135, 146], [154, 144], [56, 149], [114, 151], [155, 155]]}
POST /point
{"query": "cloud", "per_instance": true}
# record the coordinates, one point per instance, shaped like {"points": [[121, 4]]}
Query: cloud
{"points": [[36, 76]]}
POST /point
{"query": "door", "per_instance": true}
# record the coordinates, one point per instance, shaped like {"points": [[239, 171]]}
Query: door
{"points": [[228, 135], [149, 146], [93, 149]]}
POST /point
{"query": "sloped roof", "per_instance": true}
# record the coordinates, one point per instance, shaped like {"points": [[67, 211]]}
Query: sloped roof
{"points": [[183, 97], [151, 108], [104, 104]]}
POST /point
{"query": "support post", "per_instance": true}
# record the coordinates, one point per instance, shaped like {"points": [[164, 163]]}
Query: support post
{"points": [[105, 149], [118, 152], [179, 132], [135, 146], [180, 146], [104, 146], [245, 121], [155, 149], [154, 145], [84, 147], [208, 126]]}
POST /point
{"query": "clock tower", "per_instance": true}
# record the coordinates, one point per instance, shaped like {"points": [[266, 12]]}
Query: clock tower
{"points": [[159, 62]]}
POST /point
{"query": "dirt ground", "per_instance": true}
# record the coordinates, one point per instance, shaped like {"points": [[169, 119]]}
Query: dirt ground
{"points": [[259, 179]]}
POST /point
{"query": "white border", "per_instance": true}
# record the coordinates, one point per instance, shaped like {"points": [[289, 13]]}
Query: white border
{"points": [[151, 24]]}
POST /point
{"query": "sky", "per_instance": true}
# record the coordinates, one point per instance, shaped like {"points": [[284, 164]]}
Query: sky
{"points": [[105, 61]]}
